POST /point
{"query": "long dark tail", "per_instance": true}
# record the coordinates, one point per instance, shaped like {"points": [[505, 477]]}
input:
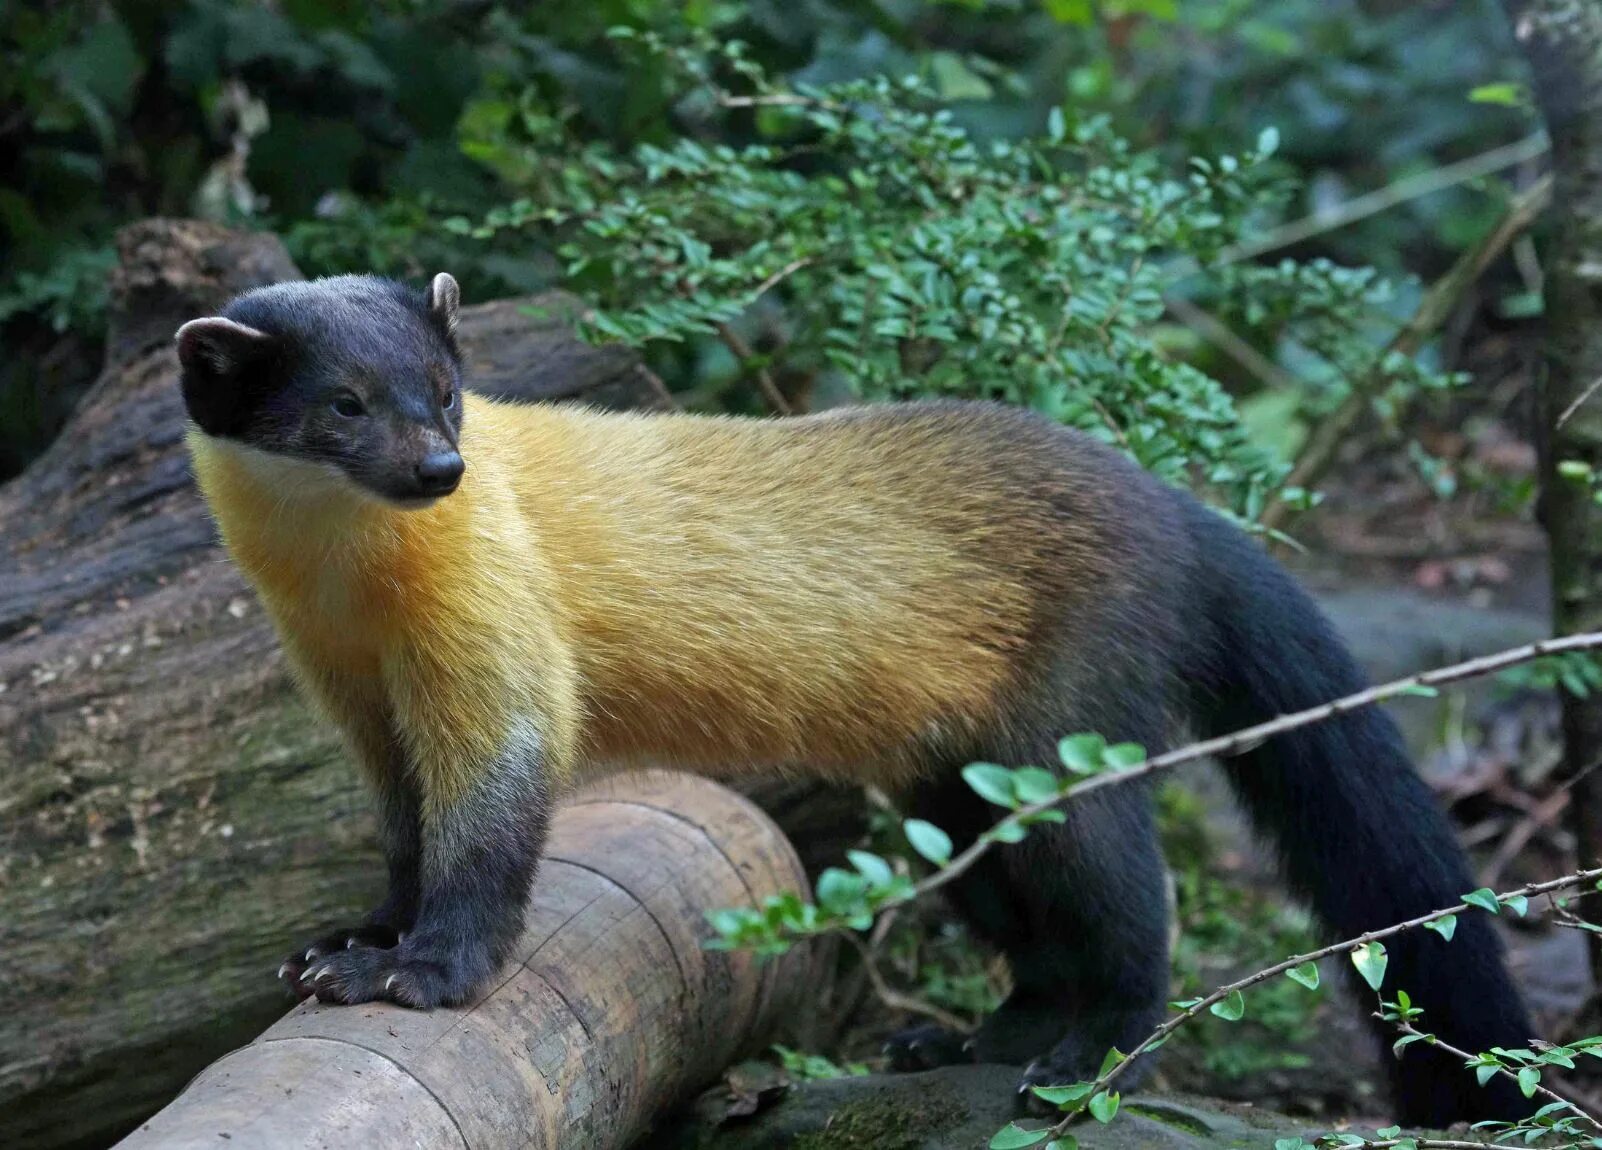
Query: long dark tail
{"points": [[1358, 832]]}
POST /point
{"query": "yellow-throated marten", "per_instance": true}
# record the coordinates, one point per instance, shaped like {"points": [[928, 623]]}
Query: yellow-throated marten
{"points": [[489, 598]]}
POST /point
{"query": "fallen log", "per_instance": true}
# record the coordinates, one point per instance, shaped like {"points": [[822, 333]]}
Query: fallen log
{"points": [[610, 1012]]}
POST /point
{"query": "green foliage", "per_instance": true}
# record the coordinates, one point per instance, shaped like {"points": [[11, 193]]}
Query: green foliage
{"points": [[1577, 672], [915, 260], [810, 1066]]}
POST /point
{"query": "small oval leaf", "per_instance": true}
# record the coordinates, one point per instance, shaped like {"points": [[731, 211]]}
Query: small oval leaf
{"points": [[1231, 1009], [1306, 974], [1370, 960], [928, 840]]}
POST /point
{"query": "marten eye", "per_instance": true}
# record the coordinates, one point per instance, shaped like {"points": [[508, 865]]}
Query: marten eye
{"points": [[449, 400], [347, 405]]}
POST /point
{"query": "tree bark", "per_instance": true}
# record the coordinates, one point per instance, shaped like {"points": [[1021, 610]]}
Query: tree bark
{"points": [[171, 816], [1562, 40], [609, 1012]]}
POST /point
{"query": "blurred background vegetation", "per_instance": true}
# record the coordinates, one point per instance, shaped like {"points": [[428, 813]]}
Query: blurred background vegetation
{"points": [[358, 130]]}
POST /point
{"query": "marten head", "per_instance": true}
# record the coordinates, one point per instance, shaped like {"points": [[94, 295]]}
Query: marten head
{"points": [[352, 378]]}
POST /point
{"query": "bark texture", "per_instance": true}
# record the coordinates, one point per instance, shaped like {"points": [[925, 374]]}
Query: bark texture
{"points": [[1562, 40], [171, 816], [609, 1013]]}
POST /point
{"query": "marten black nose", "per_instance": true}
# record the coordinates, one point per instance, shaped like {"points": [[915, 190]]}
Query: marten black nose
{"points": [[439, 473]]}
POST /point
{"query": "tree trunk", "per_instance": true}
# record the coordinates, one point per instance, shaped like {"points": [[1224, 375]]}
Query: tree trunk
{"points": [[1563, 42], [609, 1012], [171, 816]]}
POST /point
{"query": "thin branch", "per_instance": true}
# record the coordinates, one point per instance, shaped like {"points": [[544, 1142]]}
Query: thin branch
{"points": [[742, 352], [1552, 1095], [896, 1000], [654, 382], [1244, 739], [1420, 1143], [780, 276], [1161, 1033], [1372, 203], [1218, 333], [778, 100], [1433, 310], [1580, 401]]}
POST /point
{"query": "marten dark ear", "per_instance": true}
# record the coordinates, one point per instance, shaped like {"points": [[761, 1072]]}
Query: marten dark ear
{"points": [[444, 300], [217, 355]]}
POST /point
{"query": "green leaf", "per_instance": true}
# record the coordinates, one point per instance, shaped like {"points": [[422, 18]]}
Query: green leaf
{"points": [[1066, 1142], [1484, 1074], [1063, 1095], [1306, 974], [1231, 1009], [1114, 1057], [1104, 1105], [1035, 784], [1484, 898], [1445, 927], [839, 891], [928, 840], [1013, 1136], [871, 867], [1518, 904], [1389, 1132], [1508, 94], [1407, 1040], [1290, 1144], [1007, 831], [1529, 1079], [993, 783], [1056, 127], [1071, 11], [1122, 756], [1370, 960], [1082, 754]]}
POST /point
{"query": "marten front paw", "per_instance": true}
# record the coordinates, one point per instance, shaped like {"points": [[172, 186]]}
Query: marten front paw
{"points": [[368, 935], [412, 974]]}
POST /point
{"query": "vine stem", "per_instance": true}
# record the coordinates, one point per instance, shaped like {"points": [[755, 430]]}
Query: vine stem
{"points": [[1249, 737], [1169, 1025], [1409, 1028]]}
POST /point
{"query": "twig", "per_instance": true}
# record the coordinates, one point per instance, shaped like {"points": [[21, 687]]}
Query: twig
{"points": [[779, 100], [1553, 1095], [1420, 1143], [1372, 203], [654, 382], [1433, 310], [742, 352], [1210, 328], [1579, 402], [780, 276], [1157, 1036], [1250, 736], [896, 1000], [1545, 814]]}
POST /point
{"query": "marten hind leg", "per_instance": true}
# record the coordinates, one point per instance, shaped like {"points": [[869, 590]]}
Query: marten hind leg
{"points": [[1078, 909]]}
